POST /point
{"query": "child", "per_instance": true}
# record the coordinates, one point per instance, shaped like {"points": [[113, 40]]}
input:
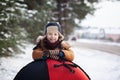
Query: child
{"points": [[52, 59], [52, 46]]}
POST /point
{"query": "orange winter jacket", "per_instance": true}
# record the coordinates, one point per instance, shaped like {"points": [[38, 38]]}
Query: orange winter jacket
{"points": [[69, 54]]}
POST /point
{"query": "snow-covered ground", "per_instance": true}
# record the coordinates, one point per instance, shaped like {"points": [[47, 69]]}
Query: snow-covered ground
{"points": [[98, 42], [9, 66], [99, 65]]}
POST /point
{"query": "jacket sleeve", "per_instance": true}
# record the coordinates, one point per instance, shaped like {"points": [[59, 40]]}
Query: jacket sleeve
{"points": [[69, 54], [37, 53]]}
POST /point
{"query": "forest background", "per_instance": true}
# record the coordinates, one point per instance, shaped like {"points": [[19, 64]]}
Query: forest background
{"points": [[22, 21]]}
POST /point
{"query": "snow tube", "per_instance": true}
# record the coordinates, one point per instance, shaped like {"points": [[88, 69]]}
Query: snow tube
{"points": [[51, 70], [36, 70]]}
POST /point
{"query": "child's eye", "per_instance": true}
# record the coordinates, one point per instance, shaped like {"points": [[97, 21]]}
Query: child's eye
{"points": [[50, 34], [56, 34]]}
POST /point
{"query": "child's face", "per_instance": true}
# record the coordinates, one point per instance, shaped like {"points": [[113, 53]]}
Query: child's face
{"points": [[52, 36]]}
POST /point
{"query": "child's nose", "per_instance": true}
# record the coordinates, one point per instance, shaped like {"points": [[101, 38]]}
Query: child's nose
{"points": [[52, 35]]}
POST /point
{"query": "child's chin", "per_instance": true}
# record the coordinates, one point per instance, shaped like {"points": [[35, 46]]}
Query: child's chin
{"points": [[52, 41]]}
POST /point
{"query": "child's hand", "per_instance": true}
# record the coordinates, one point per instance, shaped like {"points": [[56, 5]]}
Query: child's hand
{"points": [[46, 53], [53, 54], [56, 54], [61, 54]]}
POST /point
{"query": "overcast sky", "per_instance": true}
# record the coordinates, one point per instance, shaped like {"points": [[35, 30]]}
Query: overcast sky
{"points": [[107, 16]]}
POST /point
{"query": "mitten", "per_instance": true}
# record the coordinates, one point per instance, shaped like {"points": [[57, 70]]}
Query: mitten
{"points": [[61, 54], [46, 54], [54, 54]]}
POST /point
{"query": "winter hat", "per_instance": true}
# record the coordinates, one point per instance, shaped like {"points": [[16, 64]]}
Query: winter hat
{"points": [[54, 27]]}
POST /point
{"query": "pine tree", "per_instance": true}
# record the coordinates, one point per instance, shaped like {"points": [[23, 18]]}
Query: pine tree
{"points": [[10, 31]]}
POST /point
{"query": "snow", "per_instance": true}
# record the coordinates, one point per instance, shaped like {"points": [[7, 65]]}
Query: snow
{"points": [[98, 42], [98, 65], [9, 66]]}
